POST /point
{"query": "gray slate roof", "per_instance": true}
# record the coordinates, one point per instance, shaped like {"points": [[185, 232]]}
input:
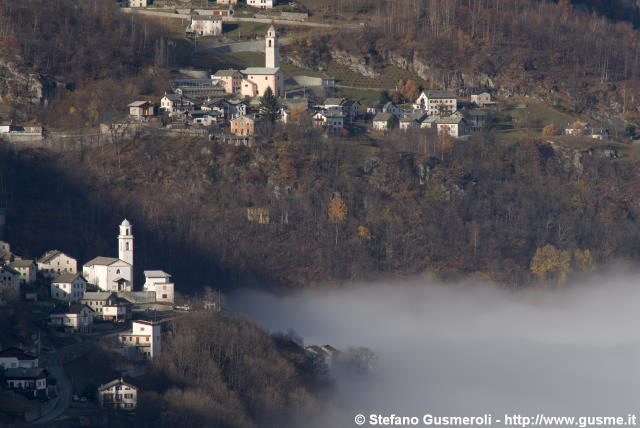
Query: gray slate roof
{"points": [[48, 256], [450, 120], [333, 101], [9, 269], [382, 117], [21, 373], [96, 295], [102, 261], [66, 278], [440, 94], [156, 274], [260, 70], [21, 263], [226, 73]]}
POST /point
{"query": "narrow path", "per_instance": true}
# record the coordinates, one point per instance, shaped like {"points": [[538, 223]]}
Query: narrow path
{"points": [[233, 19], [55, 359]]}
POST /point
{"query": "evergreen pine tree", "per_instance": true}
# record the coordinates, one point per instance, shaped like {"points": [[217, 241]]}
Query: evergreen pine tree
{"points": [[269, 110]]}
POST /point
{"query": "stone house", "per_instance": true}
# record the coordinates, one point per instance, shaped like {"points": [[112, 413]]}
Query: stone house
{"points": [[451, 125], [384, 121], [54, 263], [27, 270], [243, 126]]}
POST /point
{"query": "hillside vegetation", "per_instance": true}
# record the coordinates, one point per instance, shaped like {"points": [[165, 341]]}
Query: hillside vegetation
{"points": [[335, 210], [89, 56], [225, 371], [553, 51]]}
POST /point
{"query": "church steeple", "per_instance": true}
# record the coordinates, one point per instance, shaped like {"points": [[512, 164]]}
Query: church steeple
{"points": [[271, 54], [125, 242]]}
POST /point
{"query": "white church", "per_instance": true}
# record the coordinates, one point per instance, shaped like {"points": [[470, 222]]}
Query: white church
{"points": [[111, 274]]}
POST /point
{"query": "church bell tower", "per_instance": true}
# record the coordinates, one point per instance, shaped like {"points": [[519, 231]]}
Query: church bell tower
{"points": [[271, 54], [125, 242]]}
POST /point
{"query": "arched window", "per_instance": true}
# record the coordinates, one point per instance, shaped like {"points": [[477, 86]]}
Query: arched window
{"points": [[117, 270], [127, 232], [269, 43], [126, 246]]}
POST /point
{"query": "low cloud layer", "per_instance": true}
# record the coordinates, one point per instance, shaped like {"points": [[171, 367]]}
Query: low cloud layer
{"points": [[474, 348]]}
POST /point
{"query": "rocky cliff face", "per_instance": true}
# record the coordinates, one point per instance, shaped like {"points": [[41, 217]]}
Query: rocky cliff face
{"points": [[509, 80], [433, 73], [21, 92], [357, 64]]}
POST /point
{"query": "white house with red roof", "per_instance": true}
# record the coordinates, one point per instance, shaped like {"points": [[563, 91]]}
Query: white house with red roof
{"points": [[13, 357]]}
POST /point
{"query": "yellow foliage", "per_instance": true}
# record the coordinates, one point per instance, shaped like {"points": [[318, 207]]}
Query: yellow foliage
{"points": [[364, 233], [73, 110], [549, 261], [297, 113], [337, 210], [549, 130], [577, 204], [577, 128], [584, 261]]}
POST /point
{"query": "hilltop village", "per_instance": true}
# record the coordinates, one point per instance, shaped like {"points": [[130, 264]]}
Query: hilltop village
{"points": [[96, 301], [75, 310], [235, 105]]}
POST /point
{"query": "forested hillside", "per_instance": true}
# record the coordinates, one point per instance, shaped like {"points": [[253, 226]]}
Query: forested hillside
{"points": [[89, 57], [224, 371], [332, 210], [556, 52]]}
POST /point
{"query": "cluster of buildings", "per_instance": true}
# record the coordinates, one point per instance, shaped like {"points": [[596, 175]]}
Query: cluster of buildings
{"points": [[230, 98], [260, 4], [579, 129], [22, 372], [101, 290], [227, 97], [438, 110]]}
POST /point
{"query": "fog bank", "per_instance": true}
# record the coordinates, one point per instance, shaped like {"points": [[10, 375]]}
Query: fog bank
{"points": [[474, 348]]}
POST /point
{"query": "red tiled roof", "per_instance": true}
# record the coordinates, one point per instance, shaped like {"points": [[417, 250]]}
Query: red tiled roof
{"points": [[16, 353]]}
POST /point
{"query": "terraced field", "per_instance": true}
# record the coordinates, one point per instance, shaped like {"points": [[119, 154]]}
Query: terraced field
{"points": [[387, 79]]}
